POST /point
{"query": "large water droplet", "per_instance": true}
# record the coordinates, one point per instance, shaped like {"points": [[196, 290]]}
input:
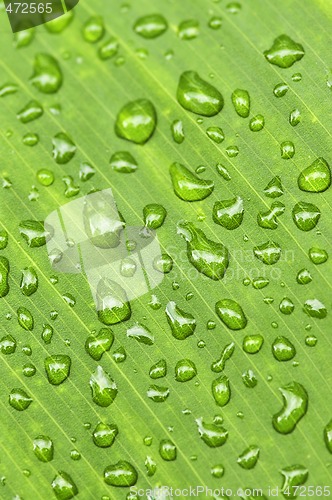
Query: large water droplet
{"points": [[287, 150], [318, 255], [167, 450], [280, 89], [231, 314], [19, 399], [294, 476], [154, 215], [57, 368], [274, 188], [304, 277], [198, 96], [286, 306], [47, 75], [113, 305], [29, 281], [123, 162], [295, 405], [141, 333], [306, 215], [284, 52], [108, 49], [185, 370], [257, 123], [35, 233], [212, 434], [43, 448], [208, 257], [104, 434], [241, 102], [283, 349], [136, 121], [30, 112], [249, 379], [221, 390], [315, 308], [150, 466], [151, 26], [316, 178], [228, 213], [103, 387], [7, 345], [177, 131], [216, 134], [102, 223], [163, 263], [187, 186], [269, 253], [97, 344], [63, 486], [294, 117], [59, 24], [182, 324], [268, 220]]}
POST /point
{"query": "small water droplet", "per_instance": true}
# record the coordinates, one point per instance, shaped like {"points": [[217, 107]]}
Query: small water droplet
{"points": [[241, 102], [252, 343], [108, 49], [63, 486], [19, 399], [93, 29], [104, 389], [188, 29], [318, 255], [229, 213], [47, 75], [249, 457], [31, 111], [150, 26], [104, 434], [45, 177], [283, 349], [287, 150], [257, 123], [185, 370], [294, 117], [57, 368]]}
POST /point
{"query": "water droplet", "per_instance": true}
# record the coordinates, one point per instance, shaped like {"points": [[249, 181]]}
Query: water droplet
{"points": [[35, 232], [268, 220], [113, 306], [269, 253], [304, 277], [127, 267], [284, 52], [43, 448], [3, 239], [257, 123], [59, 24], [123, 162], [7, 345], [25, 318], [150, 466], [215, 22], [294, 117], [47, 75], [157, 394], [136, 121], [29, 370], [45, 177], [108, 49], [231, 314], [86, 172], [147, 441], [311, 340], [283, 349], [64, 148], [163, 263], [140, 333], [241, 102], [233, 7], [196, 95], [232, 151], [71, 189], [297, 77], [151, 26], [154, 215], [318, 255], [47, 334], [104, 434], [30, 112], [260, 282], [19, 399], [315, 309], [252, 343], [187, 186], [328, 436], [213, 435], [23, 38], [280, 89], [182, 324], [306, 215], [221, 390], [249, 379], [29, 281], [103, 387], [295, 404], [274, 188], [228, 213], [4, 276], [97, 344], [227, 352], [249, 457], [287, 150], [63, 486], [57, 368], [216, 134], [167, 450], [177, 131], [159, 369], [119, 355], [222, 170], [316, 178], [208, 257], [185, 370], [294, 476], [93, 29], [217, 471], [188, 29], [286, 306], [8, 89]]}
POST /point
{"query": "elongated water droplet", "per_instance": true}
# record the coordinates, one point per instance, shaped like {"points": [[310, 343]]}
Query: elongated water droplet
{"points": [[283, 349], [113, 305], [318, 255], [316, 178], [221, 390], [241, 102], [216, 134], [121, 474], [47, 75], [154, 215], [188, 29], [257, 123], [213, 435], [157, 393], [158, 370], [30, 112], [104, 389], [252, 343], [35, 233], [151, 26], [177, 131], [63, 486], [287, 150], [219, 365], [269, 253], [231, 314], [185, 370], [167, 450], [123, 162], [104, 434], [19, 399], [108, 49], [274, 188], [294, 117], [4, 276], [3, 239], [25, 318], [286, 306], [29, 281], [222, 170], [136, 121], [64, 148], [315, 309], [284, 52], [260, 282], [8, 89], [196, 95], [47, 334], [141, 333], [249, 457], [328, 436], [57, 368], [268, 220], [187, 186], [97, 344], [43, 448], [228, 213], [93, 29], [306, 215], [208, 257], [294, 476], [150, 466], [295, 405], [182, 324], [7, 345]]}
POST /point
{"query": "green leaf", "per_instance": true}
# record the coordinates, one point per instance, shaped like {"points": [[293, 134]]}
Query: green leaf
{"points": [[193, 426]]}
